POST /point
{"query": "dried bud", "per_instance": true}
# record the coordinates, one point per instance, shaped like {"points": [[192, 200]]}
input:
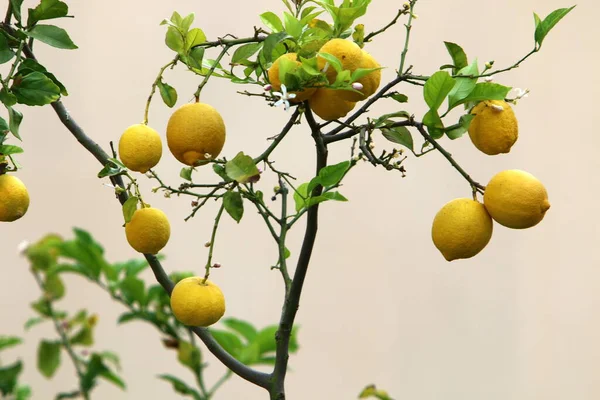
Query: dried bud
{"points": [[216, 265], [194, 203], [207, 244]]}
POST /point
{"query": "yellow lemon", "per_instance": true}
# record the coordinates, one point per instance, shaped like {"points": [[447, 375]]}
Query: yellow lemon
{"points": [[14, 198], [516, 199], [194, 132], [140, 148], [196, 302], [494, 129], [329, 104], [276, 83], [148, 231], [348, 52], [369, 82], [461, 229]]}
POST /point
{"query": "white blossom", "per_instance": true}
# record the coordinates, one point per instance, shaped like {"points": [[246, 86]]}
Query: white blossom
{"points": [[284, 98]]}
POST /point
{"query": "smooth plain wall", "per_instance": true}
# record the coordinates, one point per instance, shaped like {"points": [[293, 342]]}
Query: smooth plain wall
{"points": [[380, 304]]}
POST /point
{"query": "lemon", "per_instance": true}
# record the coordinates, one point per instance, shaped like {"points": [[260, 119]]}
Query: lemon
{"points": [[194, 132], [349, 54], [148, 231], [276, 83], [329, 104], [140, 148], [14, 198], [370, 82], [196, 302], [516, 199], [494, 129], [461, 229]]}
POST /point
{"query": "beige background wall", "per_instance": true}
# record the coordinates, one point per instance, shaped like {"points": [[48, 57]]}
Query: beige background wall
{"points": [[519, 321]]}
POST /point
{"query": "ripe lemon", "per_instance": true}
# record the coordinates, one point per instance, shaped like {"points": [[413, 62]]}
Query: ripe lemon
{"points": [[194, 131], [276, 83], [493, 130], [140, 148], [197, 303], [516, 199], [329, 104], [370, 82], [148, 231], [14, 198], [349, 54], [461, 229]]}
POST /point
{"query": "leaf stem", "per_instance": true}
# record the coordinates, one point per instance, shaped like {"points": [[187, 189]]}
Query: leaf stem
{"points": [[408, 26], [210, 72], [371, 35], [213, 236], [155, 84]]}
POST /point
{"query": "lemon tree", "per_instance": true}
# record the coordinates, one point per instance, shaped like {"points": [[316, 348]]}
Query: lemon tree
{"points": [[309, 59]]}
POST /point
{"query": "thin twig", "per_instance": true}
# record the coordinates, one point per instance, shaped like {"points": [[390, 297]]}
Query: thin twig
{"points": [[265, 155], [213, 236], [155, 84], [393, 22], [210, 72], [407, 38]]}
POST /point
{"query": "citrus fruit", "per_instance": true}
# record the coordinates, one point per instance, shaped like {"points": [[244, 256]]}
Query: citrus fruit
{"points": [[14, 198], [461, 229], [370, 82], [276, 82], [516, 199], [140, 148], [494, 129], [329, 104], [148, 231], [196, 302], [349, 54], [194, 132]]}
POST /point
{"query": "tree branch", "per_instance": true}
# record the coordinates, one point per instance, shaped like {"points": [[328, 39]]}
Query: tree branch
{"points": [[292, 301], [265, 155]]}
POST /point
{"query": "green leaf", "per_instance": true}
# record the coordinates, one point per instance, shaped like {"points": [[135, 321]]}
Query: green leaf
{"points": [[463, 86], [193, 38], [6, 54], [187, 22], [464, 123], [14, 121], [54, 288], [16, 8], [8, 377], [9, 341], [168, 93], [174, 40], [244, 52], [28, 65], [544, 27], [147, 317], [113, 167], [333, 61], [398, 134], [271, 42], [242, 327], [7, 149], [32, 322], [112, 358], [7, 98], [437, 88], [97, 368], [48, 357], [229, 341], [301, 196], [132, 267], [434, 124], [181, 387], [23, 393], [36, 89], [47, 9], [52, 35], [84, 337], [129, 208], [195, 57], [234, 205], [486, 91], [399, 97], [272, 21], [76, 394], [189, 355], [333, 174], [186, 173], [292, 25], [267, 342], [241, 168], [459, 57], [133, 290]]}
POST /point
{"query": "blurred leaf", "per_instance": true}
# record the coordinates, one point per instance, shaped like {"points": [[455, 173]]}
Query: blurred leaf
{"points": [[292, 25], [41, 306], [96, 368], [52, 35], [23, 393], [8, 377], [31, 322], [47, 9], [229, 341], [48, 357], [271, 21], [111, 357], [7, 149], [244, 328], [234, 205], [544, 27], [14, 121], [181, 387], [241, 168], [133, 290], [54, 288], [6, 53], [148, 317], [9, 341], [84, 337], [68, 395], [189, 355], [168, 93]]}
